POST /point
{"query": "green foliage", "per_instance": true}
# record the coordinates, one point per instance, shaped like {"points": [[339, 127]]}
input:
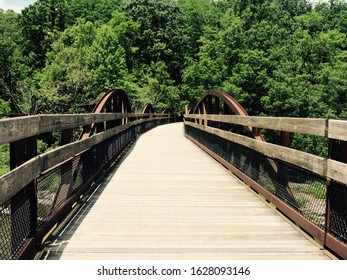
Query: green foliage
{"points": [[4, 159], [156, 88], [276, 57], [41, 22], [42, 146], [161, 35], [4, 108], [95, 10], [310, 144], [198, 15], [84, 62], [11, 59], [317, 190]]}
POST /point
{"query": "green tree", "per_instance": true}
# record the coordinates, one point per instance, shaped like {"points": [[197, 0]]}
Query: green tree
{"points": [[9, 51], [84, 62], [40, 23], [14, 69], [4, 108], [160, 35], [198, 15], [95, 10], [156, 88]]}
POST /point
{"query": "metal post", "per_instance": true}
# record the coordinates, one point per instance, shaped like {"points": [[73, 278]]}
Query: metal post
{"points": [[282, 171], [24, 203], [109, 107], [336, 197], [65, 187]]}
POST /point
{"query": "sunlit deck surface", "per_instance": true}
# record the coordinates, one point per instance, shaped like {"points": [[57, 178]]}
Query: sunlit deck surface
{"points": [[167, 199]]}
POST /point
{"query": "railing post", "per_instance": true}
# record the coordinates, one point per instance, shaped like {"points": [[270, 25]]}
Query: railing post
{"points": [[216, 105], [66, 136], [115, 108], [226, 111], [283, 173], [66, 172], [24, 203], [186, 110], [100, 127], [109, 109], [336, 196]]}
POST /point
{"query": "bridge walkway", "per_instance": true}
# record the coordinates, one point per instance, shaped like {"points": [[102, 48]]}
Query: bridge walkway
{"points": [[168, 199]]}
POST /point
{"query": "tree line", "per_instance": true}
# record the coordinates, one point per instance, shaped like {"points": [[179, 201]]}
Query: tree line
{"points": [[276, 57]]}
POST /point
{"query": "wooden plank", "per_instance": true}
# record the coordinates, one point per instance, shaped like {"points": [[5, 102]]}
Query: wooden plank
{"points": [[307, 161], [50, 123], [169, 199], [12, 182], [56, 156], [14, 129], [337, 130], [15, 180], [300, 125], [337, 171]]}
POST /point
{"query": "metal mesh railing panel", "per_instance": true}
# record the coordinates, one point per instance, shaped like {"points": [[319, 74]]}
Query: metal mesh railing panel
{"points": [[54, 187], [15, 223], [303, 191], [57, 185], [60, 183], [47, 187], [338, 212], [5, 231]]}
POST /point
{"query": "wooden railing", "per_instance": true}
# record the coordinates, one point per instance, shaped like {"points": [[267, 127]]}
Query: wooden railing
{"points": [[22, 233], [333, 170]]}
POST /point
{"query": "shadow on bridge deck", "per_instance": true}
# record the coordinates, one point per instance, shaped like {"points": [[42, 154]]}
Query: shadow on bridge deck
{"points": [[167, 199]]}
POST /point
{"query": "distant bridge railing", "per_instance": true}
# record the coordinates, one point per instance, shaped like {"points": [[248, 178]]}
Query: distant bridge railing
{"points": [[309, 189], [41, 190]]}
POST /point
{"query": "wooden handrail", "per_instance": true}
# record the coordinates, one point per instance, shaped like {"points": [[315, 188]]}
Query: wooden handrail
{"points": [[15, 129], [330, 128], [12, 182], [321, 166]]}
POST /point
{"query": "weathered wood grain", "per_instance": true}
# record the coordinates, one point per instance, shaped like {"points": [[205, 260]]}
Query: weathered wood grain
{"points": [[15, 180], [12, 182], [50, 123], [338, 130], [337, 171], [18, 128], [14, 129], [308, 161], [300, 125]]}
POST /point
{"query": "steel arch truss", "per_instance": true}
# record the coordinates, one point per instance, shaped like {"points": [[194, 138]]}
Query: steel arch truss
{"points": [[114, 101], [220, 103]]}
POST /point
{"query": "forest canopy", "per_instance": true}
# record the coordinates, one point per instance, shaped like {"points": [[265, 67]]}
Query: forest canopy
{"points": [[276, 57]]}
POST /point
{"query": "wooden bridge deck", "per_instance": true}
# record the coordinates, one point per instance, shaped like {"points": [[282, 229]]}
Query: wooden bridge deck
{"points": [[170, 200]]}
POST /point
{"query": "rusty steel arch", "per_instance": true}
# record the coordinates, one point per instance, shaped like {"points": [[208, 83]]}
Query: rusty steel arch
{"points": [[148, 109], [114, 101], [167, 111], [209, 103]]}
